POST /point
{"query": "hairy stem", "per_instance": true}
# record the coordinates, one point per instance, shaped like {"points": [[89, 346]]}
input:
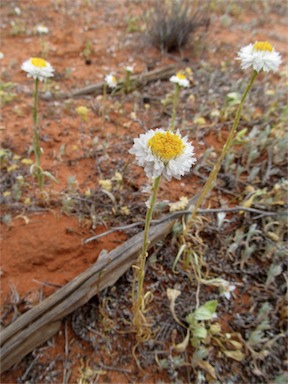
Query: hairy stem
{"points": [[213, 175], [143, 256], [36, 138], [175, 103]]}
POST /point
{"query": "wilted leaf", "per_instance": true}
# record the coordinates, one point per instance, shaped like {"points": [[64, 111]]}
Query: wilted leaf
{"points": [[273, 236], [172, 295], [181, 347], [235, 355], [236, 344], [208, 368], [199, 120], [48, 174], [215, 328]]}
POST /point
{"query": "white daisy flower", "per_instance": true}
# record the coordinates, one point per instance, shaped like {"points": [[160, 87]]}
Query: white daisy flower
{"points": [[17, 10], [129, 68], [42, 30], [111, 81], [180, 79], [260, 56], [164, 153], [38, 68]]}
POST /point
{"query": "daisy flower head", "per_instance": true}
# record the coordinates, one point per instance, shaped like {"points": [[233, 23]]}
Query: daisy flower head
{"points": [[259, 56], [38, 68], [180, 79], [164, 153], [42, 29], [111, 81], [129, 68]]}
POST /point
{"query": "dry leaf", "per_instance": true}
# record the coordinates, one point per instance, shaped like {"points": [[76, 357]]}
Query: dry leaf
{"points": [[182, 346], [208, 368], [235, 355]]}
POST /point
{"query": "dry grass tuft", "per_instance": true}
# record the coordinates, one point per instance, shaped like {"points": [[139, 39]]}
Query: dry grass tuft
{"points": [[171, 23]]}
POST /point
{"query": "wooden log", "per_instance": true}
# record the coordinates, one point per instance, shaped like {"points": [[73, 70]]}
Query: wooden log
{"points": [[97, 89], [39, 324], [143, 78]]}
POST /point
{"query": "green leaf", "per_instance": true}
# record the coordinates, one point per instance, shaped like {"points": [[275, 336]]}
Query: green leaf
{"points": [[202, 314], [256, 337], [211, 305], [206, 311], [200, 332], [190, 318], [48, 174]]}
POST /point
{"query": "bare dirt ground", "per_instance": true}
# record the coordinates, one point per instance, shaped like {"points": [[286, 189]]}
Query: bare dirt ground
{"points": [[42, 240]]}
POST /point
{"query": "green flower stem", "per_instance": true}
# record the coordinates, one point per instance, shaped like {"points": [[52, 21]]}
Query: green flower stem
{"points": [[43, 46], [104, 99], [175, 103], [143, 256], [209, 183], [36, 138], [127, 82], [104, 92]]}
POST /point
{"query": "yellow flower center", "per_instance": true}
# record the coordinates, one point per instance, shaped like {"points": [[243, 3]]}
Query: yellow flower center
{"points": [[181, 76], [166, 145], [37, 62], [263, 46]]}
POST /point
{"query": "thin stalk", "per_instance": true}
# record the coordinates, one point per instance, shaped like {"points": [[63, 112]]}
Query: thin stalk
{"points": [[104, 99], [209, 183], [127, 82], [36, 138], [143, 256], [175, 103]]}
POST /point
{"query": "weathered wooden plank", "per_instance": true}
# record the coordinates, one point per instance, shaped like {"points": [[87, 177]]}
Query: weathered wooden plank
{"points": [[97, 89], [143, 78], [43, 321]]}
